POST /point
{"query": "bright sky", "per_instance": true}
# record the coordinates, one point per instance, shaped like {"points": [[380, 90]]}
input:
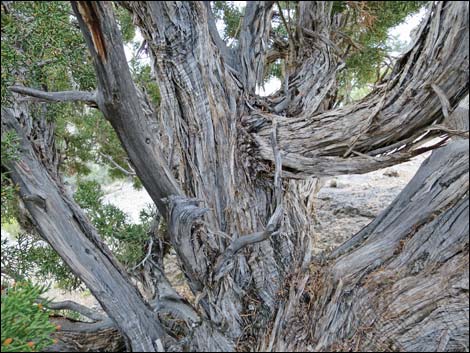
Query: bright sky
{"points": [[402, 32]]}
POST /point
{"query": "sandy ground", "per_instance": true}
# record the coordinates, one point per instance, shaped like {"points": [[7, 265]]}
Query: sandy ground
{"points": [[123, 195], [345, 205]]}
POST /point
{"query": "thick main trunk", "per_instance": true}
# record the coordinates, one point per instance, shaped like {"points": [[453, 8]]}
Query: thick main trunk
{"points": [[201, 111], [202, 104], [213, 182]]}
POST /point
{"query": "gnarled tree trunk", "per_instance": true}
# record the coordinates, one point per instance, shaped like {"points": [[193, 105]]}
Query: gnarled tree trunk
{"points": [[222, 164], [401, 283]]}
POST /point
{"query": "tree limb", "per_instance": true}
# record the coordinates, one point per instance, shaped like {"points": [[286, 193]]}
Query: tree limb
{"points": [[121, 106], [395, 114], [224, 50], [86, 337], [223, 263], [110, 159], [253, 42], [65, 96], [65, 227], [312, 71], [81, 309]]}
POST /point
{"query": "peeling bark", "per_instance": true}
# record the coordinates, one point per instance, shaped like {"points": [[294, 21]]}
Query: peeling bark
{"points": [[221, 171], [400, 284], [77, 336], [385, 127]]}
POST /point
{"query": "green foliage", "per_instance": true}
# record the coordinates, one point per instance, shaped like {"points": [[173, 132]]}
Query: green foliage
{"points": [[124, 20], [42, 47], [59, 63], [143, 78], [231, 16], [127, 240], [368, 27], [29, 256], [25, 324], [36, 62]]}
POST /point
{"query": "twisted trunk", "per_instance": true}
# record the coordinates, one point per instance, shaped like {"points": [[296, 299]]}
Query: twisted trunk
{"points": [[401, 283], [216, 165]]}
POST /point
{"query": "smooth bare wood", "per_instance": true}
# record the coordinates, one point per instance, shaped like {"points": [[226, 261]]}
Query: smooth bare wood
{"points": [[65, 96]]}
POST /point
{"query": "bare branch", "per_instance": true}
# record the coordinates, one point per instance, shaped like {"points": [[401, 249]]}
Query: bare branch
{"points": [[224, 50], [149, 253], [461, 133], [65, 96], [445, 104], [117, 166], [289, 32], [223, 262], [121, 104], [81, 309]]}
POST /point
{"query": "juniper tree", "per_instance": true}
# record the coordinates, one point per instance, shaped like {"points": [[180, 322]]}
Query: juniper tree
{"points": [[232, 174]]}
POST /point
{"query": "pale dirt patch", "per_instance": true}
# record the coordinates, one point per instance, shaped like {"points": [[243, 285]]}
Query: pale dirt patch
{"points": [[347, 203]]}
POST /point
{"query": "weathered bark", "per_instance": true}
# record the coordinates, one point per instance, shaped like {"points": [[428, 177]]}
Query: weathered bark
{"points": [[253, 43], [384, 128], [312, 67], [208, 162], [77, 336], [65, 227], [401, 283]]}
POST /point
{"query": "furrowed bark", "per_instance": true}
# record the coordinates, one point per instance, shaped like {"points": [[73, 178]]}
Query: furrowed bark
{"points": [[65, 227], [204, 128], [253, 42], [401, 283], [212, 168], [219, 191], [312, 67], [392, 118], [411, 264], [81, 309], [75, 336], [226, 52], [119, 101]]}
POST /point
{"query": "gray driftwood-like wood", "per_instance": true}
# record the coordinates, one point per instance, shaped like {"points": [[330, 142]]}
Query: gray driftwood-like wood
{"points": [[61, 222], [75, 336], [401, 283], [384, 127], [222, 166]]}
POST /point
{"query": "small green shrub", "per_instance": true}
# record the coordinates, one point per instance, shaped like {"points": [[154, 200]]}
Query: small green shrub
{"points": [[25, 323]]}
